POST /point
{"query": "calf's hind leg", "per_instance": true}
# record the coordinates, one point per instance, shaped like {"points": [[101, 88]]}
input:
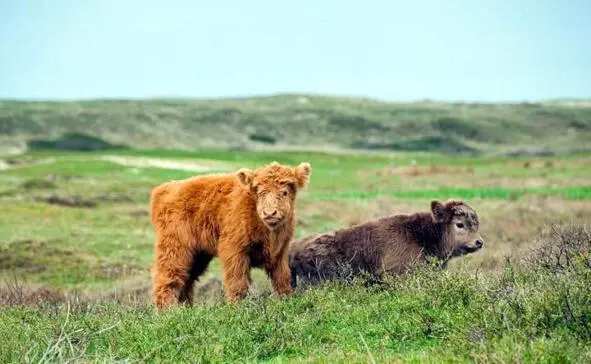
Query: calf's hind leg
{"points": [[171, 270], [200, 262]]}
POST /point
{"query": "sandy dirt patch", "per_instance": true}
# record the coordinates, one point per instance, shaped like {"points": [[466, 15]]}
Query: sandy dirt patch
{"points": [[143, 162]]}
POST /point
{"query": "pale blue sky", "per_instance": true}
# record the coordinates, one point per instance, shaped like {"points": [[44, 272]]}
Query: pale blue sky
{"points": [[391, 50]]}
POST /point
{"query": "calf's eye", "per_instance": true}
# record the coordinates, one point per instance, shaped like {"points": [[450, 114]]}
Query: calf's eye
{"points": [[460, 225], [284, 193]]}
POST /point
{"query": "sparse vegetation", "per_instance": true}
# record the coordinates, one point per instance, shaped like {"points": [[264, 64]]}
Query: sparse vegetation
{"points": [[299, 120]]}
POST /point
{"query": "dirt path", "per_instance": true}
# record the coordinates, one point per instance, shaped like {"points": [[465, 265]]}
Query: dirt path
{"points": [[144, 162]]}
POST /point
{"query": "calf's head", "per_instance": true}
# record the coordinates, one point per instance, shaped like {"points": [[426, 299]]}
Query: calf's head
{"points": [[461, 226], [274, 188]]}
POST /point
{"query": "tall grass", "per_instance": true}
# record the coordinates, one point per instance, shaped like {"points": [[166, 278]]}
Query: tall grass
{"points": [[528, 312]]}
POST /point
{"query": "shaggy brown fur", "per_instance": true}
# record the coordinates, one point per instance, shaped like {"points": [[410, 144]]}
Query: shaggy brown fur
{"points": [[389, 245], [246, 219]]}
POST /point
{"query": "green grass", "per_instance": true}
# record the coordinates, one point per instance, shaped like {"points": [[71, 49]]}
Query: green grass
{"points": [[112, 228], [571, 193], [480, 309], [431, 316]]}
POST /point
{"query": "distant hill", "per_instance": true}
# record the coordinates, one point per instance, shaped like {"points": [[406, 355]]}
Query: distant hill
{"points": [[300, 121]]}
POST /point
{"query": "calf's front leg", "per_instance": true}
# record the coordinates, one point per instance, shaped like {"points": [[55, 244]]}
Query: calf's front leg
{"points": [[236, 271], [280, 274]]}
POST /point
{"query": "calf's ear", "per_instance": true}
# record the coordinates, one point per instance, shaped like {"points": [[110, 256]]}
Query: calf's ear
{"points": [[302, 173], [438, 211], [244, 176]]}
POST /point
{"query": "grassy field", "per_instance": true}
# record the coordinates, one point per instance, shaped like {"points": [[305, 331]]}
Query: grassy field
{"points": [[76, 249]]}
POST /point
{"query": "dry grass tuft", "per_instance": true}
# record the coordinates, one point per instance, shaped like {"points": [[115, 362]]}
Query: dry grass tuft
{"points": [[16, 293], [561, 247]]}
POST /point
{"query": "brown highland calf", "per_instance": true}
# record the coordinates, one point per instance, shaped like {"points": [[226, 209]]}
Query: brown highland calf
{"points": [[389, 245], [245, 218]]}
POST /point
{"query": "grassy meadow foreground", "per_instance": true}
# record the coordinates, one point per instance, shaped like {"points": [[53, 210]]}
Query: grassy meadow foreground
{"points": [[76, 249]]}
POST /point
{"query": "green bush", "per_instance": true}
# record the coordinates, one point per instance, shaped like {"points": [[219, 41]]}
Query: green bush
{"points": [[263, 138], [73, 141]]}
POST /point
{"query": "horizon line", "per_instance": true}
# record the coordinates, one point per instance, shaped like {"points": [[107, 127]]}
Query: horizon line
{"points": [[291, 94]]}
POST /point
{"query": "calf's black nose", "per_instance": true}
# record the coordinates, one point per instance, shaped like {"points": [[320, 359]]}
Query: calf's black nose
{"points": [[479, 243], [271, 213]]}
